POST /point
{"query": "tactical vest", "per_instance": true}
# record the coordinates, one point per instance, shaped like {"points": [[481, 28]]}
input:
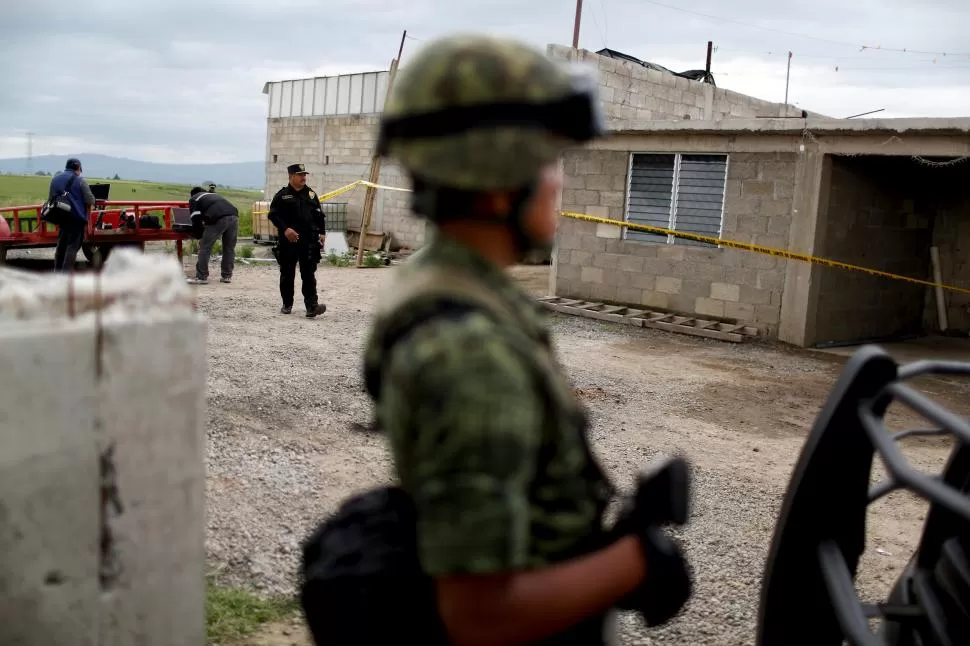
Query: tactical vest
{"points": [[422, 293]]}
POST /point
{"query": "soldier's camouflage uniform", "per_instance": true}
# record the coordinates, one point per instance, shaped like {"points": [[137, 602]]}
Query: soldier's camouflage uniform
{"points": [[487, 436], [490, 446]]}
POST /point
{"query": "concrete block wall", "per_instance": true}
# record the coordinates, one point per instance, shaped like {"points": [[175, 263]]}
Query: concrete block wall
{"points": [[594, 262], [633, 95], [337, 151], [874, 221]]}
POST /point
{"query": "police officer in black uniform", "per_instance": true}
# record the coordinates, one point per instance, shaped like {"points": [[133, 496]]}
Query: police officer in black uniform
{"points": [[296, 213]]}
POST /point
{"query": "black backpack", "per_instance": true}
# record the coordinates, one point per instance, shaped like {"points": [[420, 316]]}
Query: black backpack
{"points": [[58, 209]]}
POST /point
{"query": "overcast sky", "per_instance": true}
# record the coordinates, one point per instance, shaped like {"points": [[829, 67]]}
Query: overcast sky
{"points": [[181, 80]]}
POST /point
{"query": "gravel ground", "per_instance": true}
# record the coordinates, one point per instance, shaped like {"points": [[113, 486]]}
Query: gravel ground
{"points": [[287, 438]]}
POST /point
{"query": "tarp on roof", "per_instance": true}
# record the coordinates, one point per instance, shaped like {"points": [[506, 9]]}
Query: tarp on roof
{"points": [[694, 75]]}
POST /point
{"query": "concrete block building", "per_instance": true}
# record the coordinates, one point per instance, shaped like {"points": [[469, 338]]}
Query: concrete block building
{"points": [[330, 124], [875, 193]]}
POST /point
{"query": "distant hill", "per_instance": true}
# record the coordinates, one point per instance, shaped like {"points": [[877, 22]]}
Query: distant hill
{"points": [[240, 175]]}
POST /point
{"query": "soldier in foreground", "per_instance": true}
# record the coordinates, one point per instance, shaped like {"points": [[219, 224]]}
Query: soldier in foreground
{"points": [[488, 440]]}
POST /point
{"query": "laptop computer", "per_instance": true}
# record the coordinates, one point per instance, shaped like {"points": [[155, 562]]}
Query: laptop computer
{"points": [[181, 220]]}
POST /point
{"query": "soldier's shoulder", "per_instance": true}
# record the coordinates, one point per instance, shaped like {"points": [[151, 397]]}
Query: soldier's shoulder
{"points": [[283, 191]]}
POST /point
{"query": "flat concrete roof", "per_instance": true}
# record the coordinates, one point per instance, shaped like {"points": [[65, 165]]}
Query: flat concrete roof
{"points": [[794, 126]]}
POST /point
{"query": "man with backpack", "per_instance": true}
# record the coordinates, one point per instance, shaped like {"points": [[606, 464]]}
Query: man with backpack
{"points": [[70, 189]]}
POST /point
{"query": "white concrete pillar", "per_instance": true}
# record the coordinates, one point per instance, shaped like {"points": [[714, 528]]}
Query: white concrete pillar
{"points": [[102, 471]]}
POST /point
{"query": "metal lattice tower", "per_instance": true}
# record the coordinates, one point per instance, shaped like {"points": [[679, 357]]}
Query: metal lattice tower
{"points": [[30, 153]]}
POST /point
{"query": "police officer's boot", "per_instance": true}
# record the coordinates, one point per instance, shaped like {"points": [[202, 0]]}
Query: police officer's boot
{"points": [[316, 310]]}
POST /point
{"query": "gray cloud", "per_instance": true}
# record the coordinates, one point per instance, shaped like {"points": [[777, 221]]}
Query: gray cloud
{"points": [[182, 80]]}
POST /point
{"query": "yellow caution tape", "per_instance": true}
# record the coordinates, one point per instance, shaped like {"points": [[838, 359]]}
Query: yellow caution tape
{"points": [[770, 251], [734, 244]]}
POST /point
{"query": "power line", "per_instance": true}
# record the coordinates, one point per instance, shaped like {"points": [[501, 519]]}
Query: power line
{"points": [[791, 33]]}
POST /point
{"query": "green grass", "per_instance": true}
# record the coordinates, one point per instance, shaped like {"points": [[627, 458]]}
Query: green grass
{"points": [[22, 190], [234, 613]]}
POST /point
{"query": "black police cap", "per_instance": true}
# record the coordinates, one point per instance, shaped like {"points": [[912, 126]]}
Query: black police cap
{"points": [[295, 169]]}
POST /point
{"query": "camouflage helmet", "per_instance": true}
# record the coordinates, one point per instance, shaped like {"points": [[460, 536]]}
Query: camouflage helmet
{"points": [[486, 113]]}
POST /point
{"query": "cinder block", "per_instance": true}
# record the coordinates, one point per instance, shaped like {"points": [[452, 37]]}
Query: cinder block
{"points": [[768, 314], [709, 307], [726, 292], [674, 253], [593, 244], [643, 281], [588, 198], [755, 296], [668, 284], [694, 289], [631, 263], [659, 267], [608, 231], [752, 224], [779, 225], [607, 260], [705, 271], [757, 187], [591, 275], [570, 181], [598, 211], [655, 299], [743, 312], [611, 198], [599, 182], [589, 167]]}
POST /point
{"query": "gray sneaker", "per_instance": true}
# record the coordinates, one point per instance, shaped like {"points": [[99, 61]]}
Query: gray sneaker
{"points": [[197, 281], [225, 280]]}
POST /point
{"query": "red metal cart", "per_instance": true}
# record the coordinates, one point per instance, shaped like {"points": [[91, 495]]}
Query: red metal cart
{"points": [[112, 224]]}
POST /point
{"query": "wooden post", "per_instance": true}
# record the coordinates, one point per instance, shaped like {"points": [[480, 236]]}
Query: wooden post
{"points": [[787, 78], [375, 166], [707, 68], [579, 15]]}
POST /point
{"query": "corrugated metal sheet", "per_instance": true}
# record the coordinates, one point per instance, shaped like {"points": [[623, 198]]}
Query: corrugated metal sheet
{"points": [[327, 95], [679, 192]]}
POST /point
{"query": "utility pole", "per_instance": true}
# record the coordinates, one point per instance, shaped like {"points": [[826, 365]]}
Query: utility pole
{"points": [[707, 68], [375, 164], [579, 15], [30, 153], [787, 78]]}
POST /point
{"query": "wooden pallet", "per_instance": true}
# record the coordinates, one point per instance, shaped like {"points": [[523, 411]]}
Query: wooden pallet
{"points": [[735, 333]]}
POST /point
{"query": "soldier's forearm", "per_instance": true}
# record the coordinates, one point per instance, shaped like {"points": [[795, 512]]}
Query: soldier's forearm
{"points": [[519, 608]]}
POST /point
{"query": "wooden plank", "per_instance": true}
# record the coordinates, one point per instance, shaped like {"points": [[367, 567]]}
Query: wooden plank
{"points": [[546, 299], [571, 302], [612, 309], [589, 306], [725, 327], [612, 318], [659, 317], [686, 329], [633, 312], [705, 325]]}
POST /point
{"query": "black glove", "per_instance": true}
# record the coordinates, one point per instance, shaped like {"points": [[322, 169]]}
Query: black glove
{"points": [[662, 497]]}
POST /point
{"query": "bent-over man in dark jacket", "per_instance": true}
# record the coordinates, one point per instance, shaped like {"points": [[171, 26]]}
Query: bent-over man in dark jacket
{"points": [[221, 220], [296, 212]]}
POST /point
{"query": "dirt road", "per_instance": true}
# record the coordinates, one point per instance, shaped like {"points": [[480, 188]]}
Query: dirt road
{"points": [[287, 411]]}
